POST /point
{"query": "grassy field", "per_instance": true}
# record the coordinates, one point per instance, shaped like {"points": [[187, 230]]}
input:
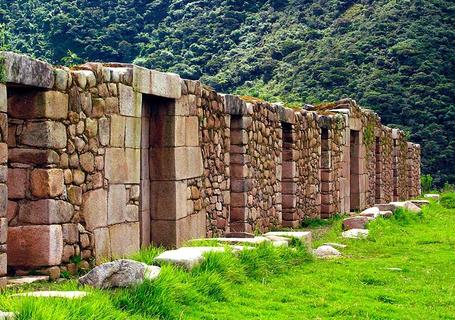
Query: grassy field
{"points": [[404, 270]]}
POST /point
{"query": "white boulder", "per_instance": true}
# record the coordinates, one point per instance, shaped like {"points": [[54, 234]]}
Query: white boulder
{"points": [[355, 234], [187, 257], [327, 252], [372, 212]]}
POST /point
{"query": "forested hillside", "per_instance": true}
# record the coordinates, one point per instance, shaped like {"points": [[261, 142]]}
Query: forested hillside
{"points": [[396, 57]]}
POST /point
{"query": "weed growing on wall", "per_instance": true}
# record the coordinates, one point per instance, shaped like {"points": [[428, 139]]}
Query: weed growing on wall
{"points": [[368, 135], [3, 47]]}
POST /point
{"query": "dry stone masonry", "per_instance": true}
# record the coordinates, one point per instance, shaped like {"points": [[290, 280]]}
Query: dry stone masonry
{"points": [[100, 160]]}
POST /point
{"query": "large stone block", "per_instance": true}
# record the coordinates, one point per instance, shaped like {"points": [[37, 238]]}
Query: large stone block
{"points": [[3, 99], [35, 246], [47, 182], [168, 200], [117, 131], [116, 168], [116, 204], [17, 183], [145, 132], [102, 244], [104, 131], [133, 132], [3, 270], [192, 132], [167, 85], [38, 104], [3, 199], [234, 105], [175, 163], [175, 233], [33, 156], [94, 209], [130, 101], [24, 70], [45, 211], [145, 195], [124, 239], [46, 134], [133, 163], [3, 230], [3, 173], [141, 80], [144, 217], [3, 153]]}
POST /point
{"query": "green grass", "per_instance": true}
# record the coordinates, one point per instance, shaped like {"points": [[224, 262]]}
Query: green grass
{"points": [[287, 283]]}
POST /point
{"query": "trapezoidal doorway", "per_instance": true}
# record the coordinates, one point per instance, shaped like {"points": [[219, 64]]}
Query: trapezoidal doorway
{"points": [[355, 170]]}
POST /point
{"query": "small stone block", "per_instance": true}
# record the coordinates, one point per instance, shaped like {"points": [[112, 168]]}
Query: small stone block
{"points": [[35, 246]]}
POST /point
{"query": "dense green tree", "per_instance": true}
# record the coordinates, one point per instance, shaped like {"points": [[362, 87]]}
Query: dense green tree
{"points": [[395, 56]]}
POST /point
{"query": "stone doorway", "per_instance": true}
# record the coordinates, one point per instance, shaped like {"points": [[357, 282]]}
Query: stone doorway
{"points": [[240, 184], [327, 184], [355, 170], [289, 178], [378, 185], [165, 159]]}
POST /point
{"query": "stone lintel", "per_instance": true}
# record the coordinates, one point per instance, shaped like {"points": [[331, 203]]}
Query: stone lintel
{"points": [[287, 115], [234, 105], [161, 84], [23, 70]]}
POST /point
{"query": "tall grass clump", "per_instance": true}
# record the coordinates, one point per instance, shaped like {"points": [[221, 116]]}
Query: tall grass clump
{"points": [[148, 254], [213, 280], [266, 260], [448, 200], [405, 217]]}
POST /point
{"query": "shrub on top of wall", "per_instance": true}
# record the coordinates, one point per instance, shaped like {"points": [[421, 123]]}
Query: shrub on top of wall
{"points": [[2, 70]]}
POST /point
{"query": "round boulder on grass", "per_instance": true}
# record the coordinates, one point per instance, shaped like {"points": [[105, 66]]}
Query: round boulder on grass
{"points": [[327, 252], [119, 273]]}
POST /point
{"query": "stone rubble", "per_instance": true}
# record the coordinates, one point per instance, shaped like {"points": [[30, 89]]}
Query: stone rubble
{"points": [[420, 203], [357, 222], [304, 236], [355, 234], [53, 294], [327, 252], [186, 257], [335, 245], [408, 205], [18, 281], [372, 212]]}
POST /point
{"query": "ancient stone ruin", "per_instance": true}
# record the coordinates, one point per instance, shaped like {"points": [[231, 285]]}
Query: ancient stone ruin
{"points": [[102, 159]]}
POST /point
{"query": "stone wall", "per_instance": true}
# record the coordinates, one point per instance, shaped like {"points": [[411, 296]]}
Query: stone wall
{"points": [[255, 165], [301, 174], [413, 170], [385, 152], [214, 135], [400, 165], [102, 159], [3, 185]]}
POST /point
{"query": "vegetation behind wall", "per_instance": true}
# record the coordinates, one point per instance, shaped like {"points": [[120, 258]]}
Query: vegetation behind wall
{"points": [[393, 56]]}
